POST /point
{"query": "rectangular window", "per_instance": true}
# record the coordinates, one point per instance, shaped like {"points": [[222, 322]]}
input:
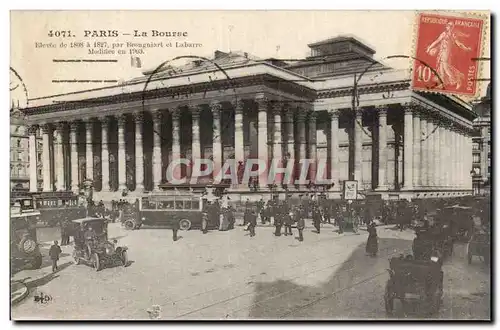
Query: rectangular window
{"points": [[476, 158], [475, 146]]}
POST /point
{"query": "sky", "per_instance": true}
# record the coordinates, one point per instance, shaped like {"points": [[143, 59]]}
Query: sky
{"points": [[282, 34]]}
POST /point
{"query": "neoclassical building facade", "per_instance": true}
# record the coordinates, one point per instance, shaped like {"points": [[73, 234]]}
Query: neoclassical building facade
{"points": [[396, 142]]}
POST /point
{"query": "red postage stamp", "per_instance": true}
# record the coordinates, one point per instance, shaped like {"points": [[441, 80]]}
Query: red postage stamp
{"points": [[448, 51]]}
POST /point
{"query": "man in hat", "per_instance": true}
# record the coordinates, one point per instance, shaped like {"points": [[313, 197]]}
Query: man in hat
{"points": [[54, 253], [278, 219], [204, 222], [252, 223], [175, 229], [300, 223], [316, 215]]}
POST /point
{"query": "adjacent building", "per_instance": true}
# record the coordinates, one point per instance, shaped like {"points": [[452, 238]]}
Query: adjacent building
{"points": [[395, 142], [481, 145], [20, 156]]}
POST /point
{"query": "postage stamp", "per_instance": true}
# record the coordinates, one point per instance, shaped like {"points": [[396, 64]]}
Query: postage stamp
{"points": [[447, 54]]}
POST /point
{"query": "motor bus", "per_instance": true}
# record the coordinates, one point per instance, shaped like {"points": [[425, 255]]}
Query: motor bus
{"points": [[183, 210], [57, 206]]}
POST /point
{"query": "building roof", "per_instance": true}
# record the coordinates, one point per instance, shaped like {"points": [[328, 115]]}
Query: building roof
{"points": [[343, 38], [220, 60]]}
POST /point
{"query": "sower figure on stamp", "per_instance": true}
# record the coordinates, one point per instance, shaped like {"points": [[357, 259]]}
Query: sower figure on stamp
{"points": [[54, 253]]}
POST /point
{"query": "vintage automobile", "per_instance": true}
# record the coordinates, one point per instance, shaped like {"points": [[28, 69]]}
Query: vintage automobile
{"points": [[182, 210], [57, 206], [23, 239], [93, 246], [414, 279], [479, 245]]}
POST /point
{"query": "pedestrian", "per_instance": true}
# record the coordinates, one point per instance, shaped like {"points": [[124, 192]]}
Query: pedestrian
{"points": [[300, 224], [175, 229], [372, 242], [252, 223], [54, 253], [278, 221], [316, 218], [288, 220], [204, 222]]}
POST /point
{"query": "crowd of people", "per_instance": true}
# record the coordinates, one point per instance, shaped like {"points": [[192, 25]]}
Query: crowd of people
{"points": [[293, 213], [404, 214]]}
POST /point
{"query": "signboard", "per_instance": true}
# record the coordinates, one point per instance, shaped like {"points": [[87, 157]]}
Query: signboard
{"points": [[350, 190]]}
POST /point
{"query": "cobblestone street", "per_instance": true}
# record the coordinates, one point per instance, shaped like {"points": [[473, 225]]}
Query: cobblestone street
{"points": [[228, 275]]}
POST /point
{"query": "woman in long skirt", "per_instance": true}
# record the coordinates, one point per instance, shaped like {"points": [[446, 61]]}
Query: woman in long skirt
{"points": [[372, 242]]}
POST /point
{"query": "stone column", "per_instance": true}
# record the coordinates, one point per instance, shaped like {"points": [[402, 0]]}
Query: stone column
{"points": [[157, 116], [32, 130], [301, 139], [468, 160], [461, 159], [195, 143], [334, 151], [59, 160], [73, 141], [382, 148], [416, 150], [277, 145], [216, 109], [446, 157], [176, 141], [358, 148], [47, 184], [455, 156], [122, 160], [408, 149], [262, 103], [89, 163], [290, 141], [239, 149], [429, 141], [312, 146], [424, 175], [442, 157], [437, 155], [105, 154], [139, 155]]}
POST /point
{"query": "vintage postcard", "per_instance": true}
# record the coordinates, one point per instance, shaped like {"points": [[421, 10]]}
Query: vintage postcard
{"points": [[249, 165]]}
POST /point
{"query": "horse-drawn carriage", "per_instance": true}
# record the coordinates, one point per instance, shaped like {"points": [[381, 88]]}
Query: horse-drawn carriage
{"points": [[460, 219], [429, 240], [412, 279]]}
